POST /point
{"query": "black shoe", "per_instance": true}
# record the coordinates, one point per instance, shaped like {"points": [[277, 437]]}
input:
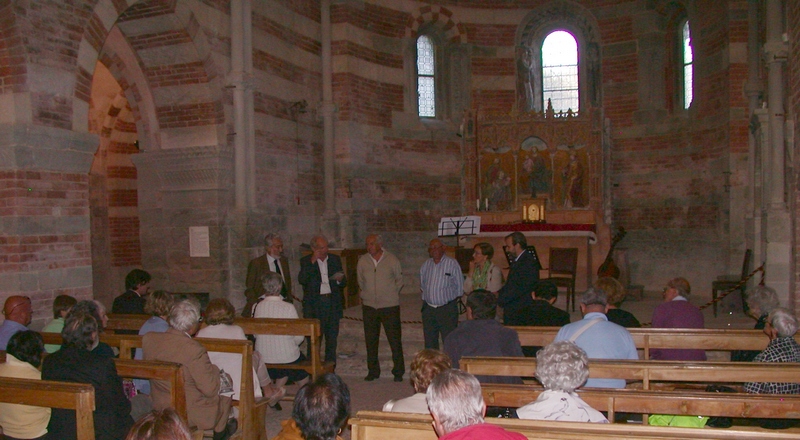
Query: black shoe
{"points": [[230, 429], [398, 378], [277, 407], [370, 377]]}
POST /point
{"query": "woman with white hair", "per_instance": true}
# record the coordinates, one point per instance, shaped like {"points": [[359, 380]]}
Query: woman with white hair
{"points": [[561, 367], [760, 302], [781, 326]]}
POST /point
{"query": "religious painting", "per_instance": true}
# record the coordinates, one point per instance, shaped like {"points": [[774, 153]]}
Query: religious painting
{"points": [[536, 174], [570, 182], [497, 179]]}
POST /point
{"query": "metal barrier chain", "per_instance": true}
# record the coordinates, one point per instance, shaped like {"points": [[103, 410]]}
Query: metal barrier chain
{"points": [[736, 287]]}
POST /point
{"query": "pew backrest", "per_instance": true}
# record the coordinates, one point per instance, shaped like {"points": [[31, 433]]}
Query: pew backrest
{"points": [[52, 394], [155, 370], [376, 425]]}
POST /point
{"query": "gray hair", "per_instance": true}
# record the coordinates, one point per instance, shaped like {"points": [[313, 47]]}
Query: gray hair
{"points": [[763, 298], [184, 315], [378, 238], [269, 238], [315, 239], [594, 296], [783, 321], [455, 397], [562, 366], [272, 283]]}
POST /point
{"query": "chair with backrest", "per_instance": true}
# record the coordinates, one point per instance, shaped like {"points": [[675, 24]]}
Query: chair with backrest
{"points": [[563, 268], [727, 282]]}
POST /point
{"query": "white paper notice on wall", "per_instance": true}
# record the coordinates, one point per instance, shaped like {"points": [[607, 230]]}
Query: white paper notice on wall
{"points": [[198, 241]]}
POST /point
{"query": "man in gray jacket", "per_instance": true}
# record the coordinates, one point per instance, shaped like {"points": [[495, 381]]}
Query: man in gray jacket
{"points": [[381, 278]]}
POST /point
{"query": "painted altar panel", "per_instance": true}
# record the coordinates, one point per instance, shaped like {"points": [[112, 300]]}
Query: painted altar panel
{"points": [[539, 155]]}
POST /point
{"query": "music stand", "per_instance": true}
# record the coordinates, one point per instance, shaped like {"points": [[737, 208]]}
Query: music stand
{"points": [[458, 226]]}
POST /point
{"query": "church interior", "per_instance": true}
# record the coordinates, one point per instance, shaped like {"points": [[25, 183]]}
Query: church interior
{"points": [[172, 135]]}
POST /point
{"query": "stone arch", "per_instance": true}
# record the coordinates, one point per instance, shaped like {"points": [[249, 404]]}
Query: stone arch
{"points": [[561, 14], [453, 30]]}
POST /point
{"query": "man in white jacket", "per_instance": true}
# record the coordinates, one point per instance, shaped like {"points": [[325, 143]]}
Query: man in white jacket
{"points": [[381, 278]]}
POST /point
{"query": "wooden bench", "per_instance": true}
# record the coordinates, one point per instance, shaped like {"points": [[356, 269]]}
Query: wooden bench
{"points": [[376, 425], [52, 394], [665, 338], [310, 328], [156, 370], [648, 372], [736, 405]]}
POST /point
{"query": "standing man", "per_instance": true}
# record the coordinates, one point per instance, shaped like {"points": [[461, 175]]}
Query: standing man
{"points": [[18, 312], [272, 261], [442, 285], [381, 278], [322, 278], [137, 284], [522, 278]]}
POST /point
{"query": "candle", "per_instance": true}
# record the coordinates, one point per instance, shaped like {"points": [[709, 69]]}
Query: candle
{"points": [[487, 204], [478, 204], [524, 213]]}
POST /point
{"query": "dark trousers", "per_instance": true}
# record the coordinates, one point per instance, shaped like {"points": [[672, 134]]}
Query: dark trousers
{"points": [[390, 317], [438, 320], [328, 322], [293, 375]]}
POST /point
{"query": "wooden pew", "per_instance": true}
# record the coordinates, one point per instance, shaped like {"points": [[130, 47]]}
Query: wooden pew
{"points": [[648, 372], [117, 321], [52, 394], [156, 370], [738, 405], [376, 425], [310, 328], [649, 338]]}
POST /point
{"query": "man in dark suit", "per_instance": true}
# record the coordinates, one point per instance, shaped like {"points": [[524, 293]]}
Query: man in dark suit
{"points": [[542, 312], [322, 278], [137, 284], [522, 278], [272, 261]]}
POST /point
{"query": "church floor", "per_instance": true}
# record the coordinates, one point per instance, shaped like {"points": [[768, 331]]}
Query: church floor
{"points": [[372, 395]]}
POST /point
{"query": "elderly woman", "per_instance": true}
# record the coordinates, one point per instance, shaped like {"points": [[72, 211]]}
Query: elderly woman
{"points": [[677, 312], [616, 295], [23, 357], [427, 364], [780, 327], [561, 367], [158, 305], [76, 361], [279, 349], [760, 302], [483, 274], [219, 317], [205, 407], [98, 312]]}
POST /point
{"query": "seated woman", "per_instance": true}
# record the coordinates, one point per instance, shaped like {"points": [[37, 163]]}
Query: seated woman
{"points": [[278, 349], [23, 357], [157, 304], [160, 425], [760, 302], [427, 364], [76, 361], [616, 295], [61, 306], [219, 317], [483, 274], [98, 312], [561, 367]]}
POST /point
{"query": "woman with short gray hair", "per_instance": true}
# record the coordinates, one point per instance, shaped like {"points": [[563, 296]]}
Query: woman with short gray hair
{"points": [[780, 327], [760, 302], [561, 367]]}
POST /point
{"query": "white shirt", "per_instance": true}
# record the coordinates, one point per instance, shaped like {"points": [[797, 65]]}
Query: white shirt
{"points": [[325, 287], [274, 265], [277, 349]]}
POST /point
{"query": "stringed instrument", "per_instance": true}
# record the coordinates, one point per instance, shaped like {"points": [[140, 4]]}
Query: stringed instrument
{"points": [[608, 268]]}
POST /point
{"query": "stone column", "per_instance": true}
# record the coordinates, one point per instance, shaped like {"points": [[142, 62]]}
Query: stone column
{"points": [[330, 216]]}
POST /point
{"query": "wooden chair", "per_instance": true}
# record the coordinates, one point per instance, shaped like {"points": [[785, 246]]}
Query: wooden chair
{"points": [[562, 271], [53, 394], [725, 283]]}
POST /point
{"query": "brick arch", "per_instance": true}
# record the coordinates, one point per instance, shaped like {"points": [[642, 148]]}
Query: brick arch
{"points": [[118, 48], [454, 30]]}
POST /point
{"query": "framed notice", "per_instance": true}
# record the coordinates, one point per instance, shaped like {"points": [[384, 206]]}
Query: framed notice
{"points": [[198, 241]]}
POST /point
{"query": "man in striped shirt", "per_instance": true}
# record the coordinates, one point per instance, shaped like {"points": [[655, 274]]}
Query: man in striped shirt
{"points": [[441, 282]]}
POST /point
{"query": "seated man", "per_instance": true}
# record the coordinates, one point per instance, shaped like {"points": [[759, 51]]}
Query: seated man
{"points": [[677, 312], [542, 312], [561, 367], [599, 338], [18, 312], [205, 407], [457, 406], [482, 335], [320, 412], [137, 284]]}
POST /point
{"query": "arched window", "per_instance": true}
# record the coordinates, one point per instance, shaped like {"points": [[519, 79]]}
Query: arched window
{"points": [[687, 62], [560, 72], [426, 77]]}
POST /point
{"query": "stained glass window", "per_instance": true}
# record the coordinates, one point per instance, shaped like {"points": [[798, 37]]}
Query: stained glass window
{"points": [[688, 64], [426, 70], [560, 71]]}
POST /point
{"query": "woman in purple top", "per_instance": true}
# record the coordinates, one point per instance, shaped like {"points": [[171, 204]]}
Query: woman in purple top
{"points": [[677, 312]]}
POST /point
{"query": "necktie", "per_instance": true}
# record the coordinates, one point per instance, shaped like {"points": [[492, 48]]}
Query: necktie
{"points": [[278, 267]]}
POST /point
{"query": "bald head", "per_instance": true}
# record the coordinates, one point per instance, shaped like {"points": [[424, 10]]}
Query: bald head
{"points": [[18, 309]]}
